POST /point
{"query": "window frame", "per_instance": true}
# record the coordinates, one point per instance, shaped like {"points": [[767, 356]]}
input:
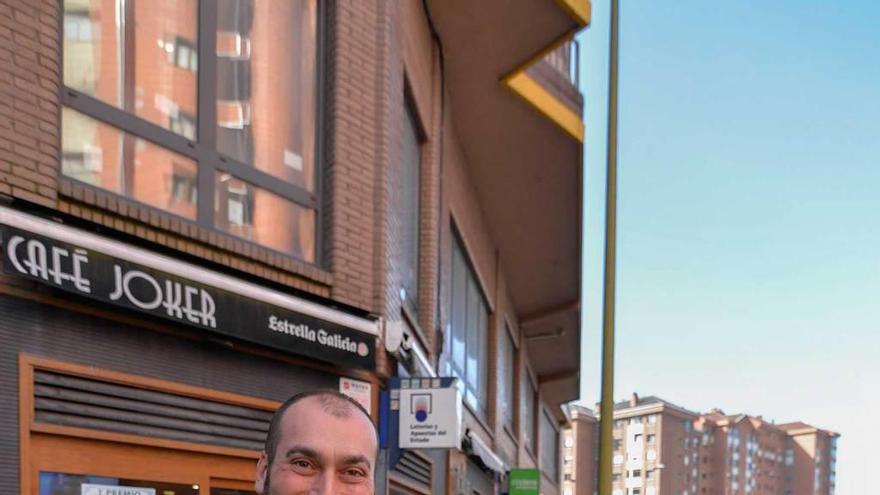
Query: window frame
{"points": [[482, 412], [515, 376], [528, 381], [548, 419], [412, 116], [203, 150]]}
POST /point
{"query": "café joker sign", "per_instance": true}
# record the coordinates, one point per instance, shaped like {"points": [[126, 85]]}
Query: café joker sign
{"points": [[173, 297]]}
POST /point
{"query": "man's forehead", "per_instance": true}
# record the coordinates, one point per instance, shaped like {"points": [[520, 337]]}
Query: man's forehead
{"points": [[312, 417]]}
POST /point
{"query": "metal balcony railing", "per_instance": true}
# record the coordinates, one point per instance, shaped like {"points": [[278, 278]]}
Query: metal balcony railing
{"points": [[565, 60]]}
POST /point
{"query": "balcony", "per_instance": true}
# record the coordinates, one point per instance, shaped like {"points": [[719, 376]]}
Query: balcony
{"points": [[559, 73]]}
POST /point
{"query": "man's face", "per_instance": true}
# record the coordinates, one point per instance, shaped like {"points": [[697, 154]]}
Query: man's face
{"points": [[320, 453]]}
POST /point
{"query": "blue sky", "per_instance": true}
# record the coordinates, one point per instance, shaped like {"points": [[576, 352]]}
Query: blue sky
{"points": [[749, 211]]}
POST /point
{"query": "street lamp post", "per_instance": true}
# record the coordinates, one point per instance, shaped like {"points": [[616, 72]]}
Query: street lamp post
{"points": [[606, 420]]}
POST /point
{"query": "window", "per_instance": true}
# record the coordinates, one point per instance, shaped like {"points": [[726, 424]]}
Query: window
{"points": [[549, 447], [649, 474], [528, 402], [652, 419], [182, 52], [618, 443], [229, 144], [651, 438], [106, 157], [410, 176], [507, 375], [253, 213], [77, 25], [469, 340]]}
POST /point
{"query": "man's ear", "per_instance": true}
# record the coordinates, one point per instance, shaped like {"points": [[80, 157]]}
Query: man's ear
{"points": [[262, 474]]}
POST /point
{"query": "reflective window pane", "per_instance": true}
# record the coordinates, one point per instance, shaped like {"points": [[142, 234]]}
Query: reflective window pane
{"points": [[507, 375], [140, 56], [106, 157], [528, 412], [266, 87], [410, 176], [260, 216], [75, 484]]}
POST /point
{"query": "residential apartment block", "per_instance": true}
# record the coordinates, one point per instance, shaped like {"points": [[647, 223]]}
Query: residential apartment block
{"points": [[580, 444], [661, 448], [208, 206]]}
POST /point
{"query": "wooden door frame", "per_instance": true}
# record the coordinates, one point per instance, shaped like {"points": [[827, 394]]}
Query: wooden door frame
{"points": [[36, 438]]}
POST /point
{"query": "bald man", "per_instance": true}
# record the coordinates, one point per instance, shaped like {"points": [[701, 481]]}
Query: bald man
{"points": [[319, 442]]}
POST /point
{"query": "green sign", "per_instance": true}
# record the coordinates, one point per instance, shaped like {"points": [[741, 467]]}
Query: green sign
{"points": [[525, 482]]}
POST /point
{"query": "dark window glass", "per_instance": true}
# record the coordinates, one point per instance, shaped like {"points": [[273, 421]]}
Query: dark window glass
{"points": [[411, 163], [529, 401], [549, 446], [506, 363]]}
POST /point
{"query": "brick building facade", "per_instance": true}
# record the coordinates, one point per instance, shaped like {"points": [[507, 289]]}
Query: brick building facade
{"points": [[661, 448], [403, 175]]}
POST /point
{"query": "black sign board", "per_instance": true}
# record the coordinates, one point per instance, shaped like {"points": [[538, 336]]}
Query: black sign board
{"points": [[176, 298]]}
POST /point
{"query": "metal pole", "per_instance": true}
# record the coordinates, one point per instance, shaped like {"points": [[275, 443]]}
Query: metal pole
{"points": [[606, 420]]}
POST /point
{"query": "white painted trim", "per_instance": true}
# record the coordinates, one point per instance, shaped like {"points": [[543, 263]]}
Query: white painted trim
{"points": [[88, 240]]}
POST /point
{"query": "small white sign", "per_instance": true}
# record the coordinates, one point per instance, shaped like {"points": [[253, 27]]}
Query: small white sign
{"points": [[361, 392], [430, 418], [90, 489]]}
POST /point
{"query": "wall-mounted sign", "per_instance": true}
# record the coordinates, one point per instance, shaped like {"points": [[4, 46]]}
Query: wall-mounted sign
{"points": [[174, 297], [92, 489], [361, 392], [430, 414], [524, 482]]}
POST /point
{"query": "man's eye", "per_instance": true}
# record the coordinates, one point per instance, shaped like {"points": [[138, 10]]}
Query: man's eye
{"points": [[302, 464], [355, 473]]}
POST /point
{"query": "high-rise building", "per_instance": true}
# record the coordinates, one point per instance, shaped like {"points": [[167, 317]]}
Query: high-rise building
{"points": [[656, 448], [810, 459], [580, 441], [664, 449], [740, 455], [207, 206]]}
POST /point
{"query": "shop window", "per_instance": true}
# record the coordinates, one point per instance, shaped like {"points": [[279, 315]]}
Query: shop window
{"points": [[469, 339], [409, 210], [136, 94], [52, 483]]}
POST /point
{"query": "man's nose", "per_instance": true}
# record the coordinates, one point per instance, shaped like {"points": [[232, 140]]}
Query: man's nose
{"points": [[325, 484]]}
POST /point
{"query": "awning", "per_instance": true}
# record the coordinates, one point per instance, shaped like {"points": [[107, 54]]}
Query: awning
{"points": [[476, 447]]}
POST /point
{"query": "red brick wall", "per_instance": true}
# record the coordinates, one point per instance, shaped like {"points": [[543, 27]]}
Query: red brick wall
{"points": [[29, 83]]}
